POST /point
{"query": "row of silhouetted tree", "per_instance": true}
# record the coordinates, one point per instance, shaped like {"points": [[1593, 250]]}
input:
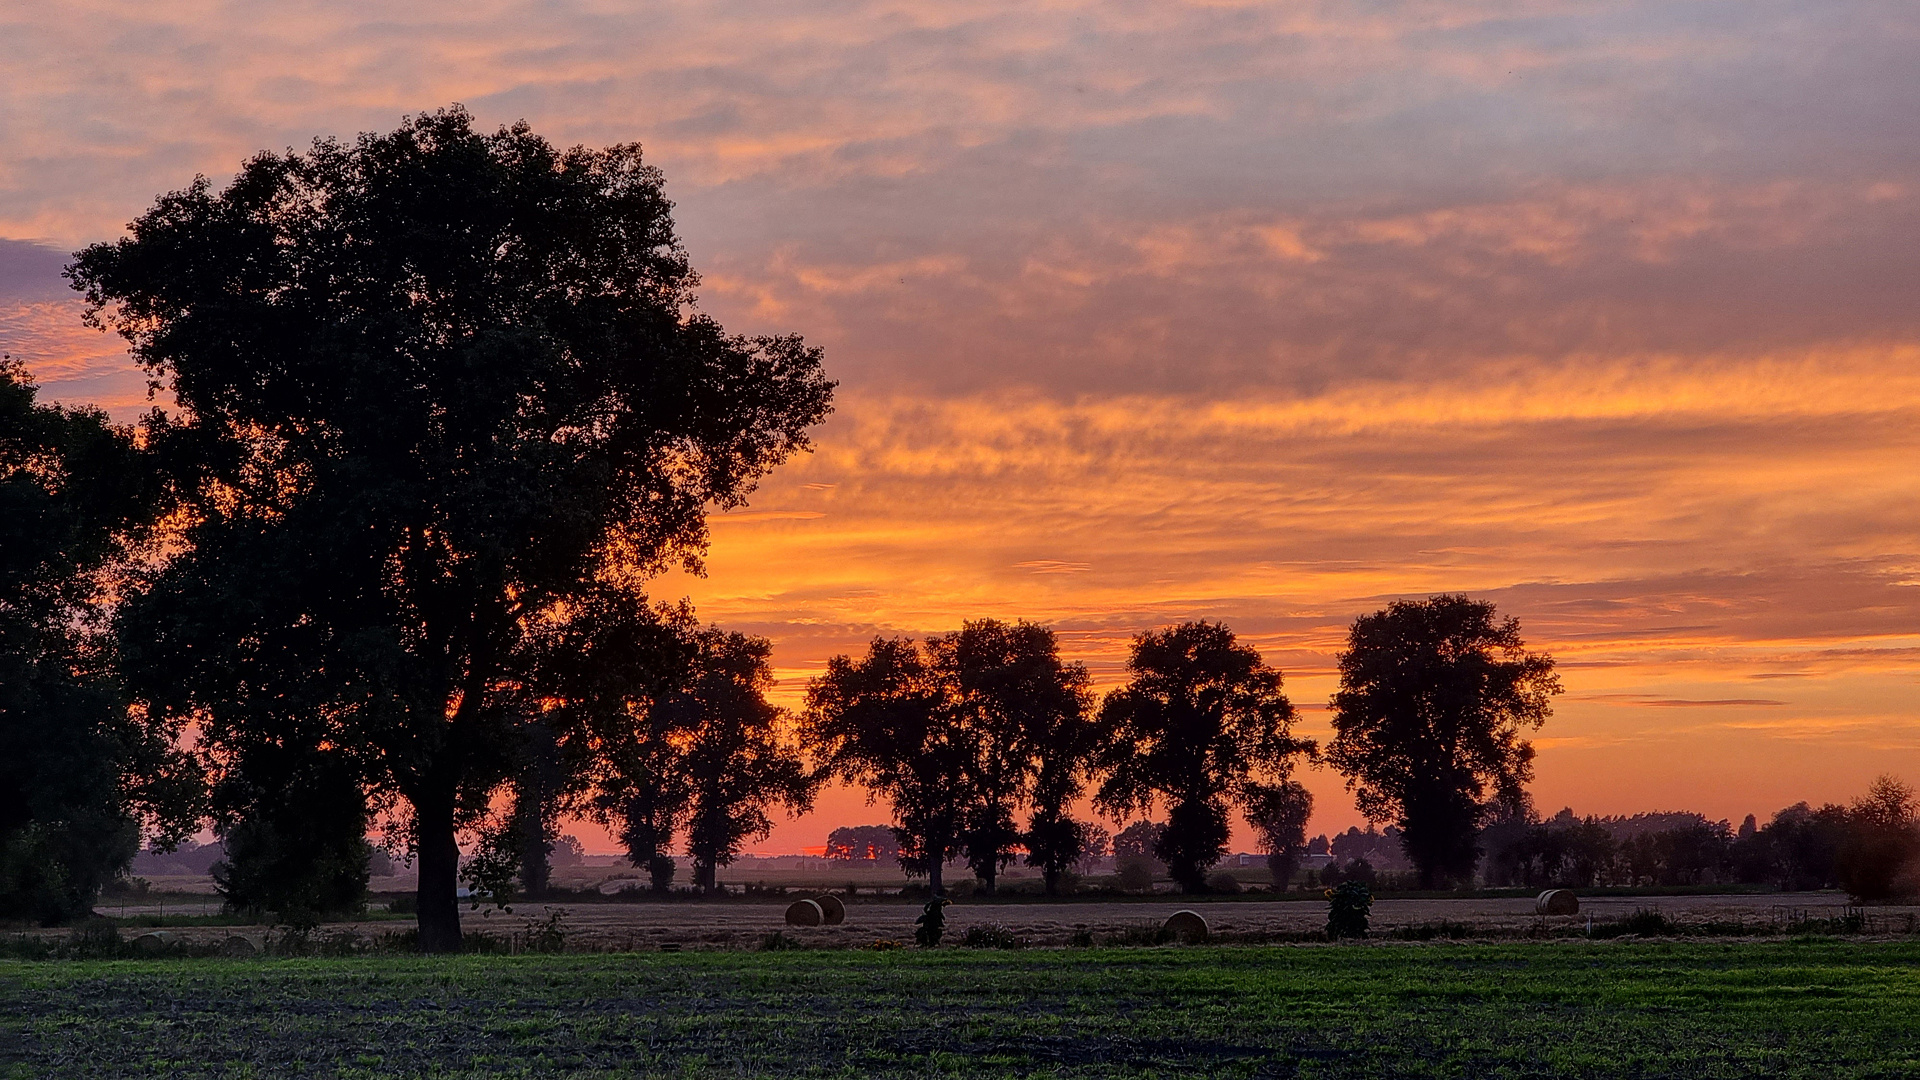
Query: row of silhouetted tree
{"points": [[966, 733]]}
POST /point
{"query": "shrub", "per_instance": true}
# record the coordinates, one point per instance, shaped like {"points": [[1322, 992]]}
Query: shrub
{"points": [[1135, 876], [993, 936], [1648, 922], [1224, 883], [548, 935], [1348, 905], [1141, 934], [931, 924]]}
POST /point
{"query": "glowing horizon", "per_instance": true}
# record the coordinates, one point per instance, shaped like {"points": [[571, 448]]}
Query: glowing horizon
{"points": [[1602, 311]]}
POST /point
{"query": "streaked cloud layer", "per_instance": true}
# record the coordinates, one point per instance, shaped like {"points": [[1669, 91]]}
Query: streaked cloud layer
{"points": [[1265, 312]]}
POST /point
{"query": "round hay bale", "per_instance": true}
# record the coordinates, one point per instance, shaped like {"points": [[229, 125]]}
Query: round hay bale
{"points": [[156, 941], [237, 946], [1557, 902], [805, 913], [1186, 926], [832, 908]]}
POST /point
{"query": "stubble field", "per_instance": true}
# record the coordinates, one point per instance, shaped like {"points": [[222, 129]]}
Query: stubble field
{"points": [[745, 922]]}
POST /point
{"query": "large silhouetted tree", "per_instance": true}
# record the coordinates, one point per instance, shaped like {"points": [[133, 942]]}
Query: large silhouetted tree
{"points": [[1200, 722], [1434, 697], [738, 762], [603, 670], [1048, 704], [433, 386], [887, 720], [78, 771], [1024, 715]]}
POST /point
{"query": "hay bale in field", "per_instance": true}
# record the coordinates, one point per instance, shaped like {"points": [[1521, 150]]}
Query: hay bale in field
{"points": [[805, 913], [832, 908], [237, 946], [1186, 927], [1556, 902], [156, 941]]}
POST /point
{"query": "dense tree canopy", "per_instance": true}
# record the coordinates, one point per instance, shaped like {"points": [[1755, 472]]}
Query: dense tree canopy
{"points": [[886, 721], [961, 732], [1200, 723], [1025, 713], [1434, 697], [435, 388], [78, 771], [739, 761]]}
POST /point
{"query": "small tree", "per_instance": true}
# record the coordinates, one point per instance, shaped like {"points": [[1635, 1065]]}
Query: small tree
{"points": [[293, 821], [1138, 840], [886, 721], [1201, 721], [1279, 814], [1434, 696]]}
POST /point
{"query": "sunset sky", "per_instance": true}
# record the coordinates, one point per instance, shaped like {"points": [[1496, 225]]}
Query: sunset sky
{"points": [[1608, 312]]}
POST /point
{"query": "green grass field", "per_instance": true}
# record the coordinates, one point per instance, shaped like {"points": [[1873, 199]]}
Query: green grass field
{"points": [[1810, 1008]]}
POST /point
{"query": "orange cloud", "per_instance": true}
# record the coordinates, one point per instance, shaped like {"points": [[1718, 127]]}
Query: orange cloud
{"points": [[1599, 308]]}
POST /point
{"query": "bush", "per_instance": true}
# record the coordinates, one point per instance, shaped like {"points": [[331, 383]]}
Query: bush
{"points": [[931, 924], [1348, 905], [548, 935], [1225, 884], [1135, 876], [52, 872], [1141, 934], [1648, 922], [993, 936], [294, 832]]}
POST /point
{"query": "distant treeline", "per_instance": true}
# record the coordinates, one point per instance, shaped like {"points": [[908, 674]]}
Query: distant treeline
{"points": [[1867, 848]]}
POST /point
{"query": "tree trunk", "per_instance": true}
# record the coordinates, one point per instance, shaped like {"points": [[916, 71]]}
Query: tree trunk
{"points": [[1051, 874], [536, 857], [1281, 864], [660, 869], [438, 895]]}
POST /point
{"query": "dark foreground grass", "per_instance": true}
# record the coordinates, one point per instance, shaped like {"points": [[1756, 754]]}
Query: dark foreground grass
{"points": [[1783, 1009]]}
